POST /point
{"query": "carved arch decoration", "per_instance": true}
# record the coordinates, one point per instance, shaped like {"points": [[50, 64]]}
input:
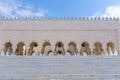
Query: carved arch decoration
{"points": [[8, 48], [59, 48], [33, 48], [72, 48], [85, 49], [98, 50], [46, 48], [20, 49], [110, 48]]}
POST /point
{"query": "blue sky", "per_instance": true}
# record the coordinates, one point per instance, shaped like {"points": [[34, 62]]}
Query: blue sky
{"points": [[60, 8]]}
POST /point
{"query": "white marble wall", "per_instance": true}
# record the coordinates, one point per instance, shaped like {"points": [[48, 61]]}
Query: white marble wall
{"points": [[60, 30]]}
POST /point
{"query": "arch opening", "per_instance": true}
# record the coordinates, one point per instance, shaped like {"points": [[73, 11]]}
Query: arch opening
{"points": [[8, 48], [20, 49], [85, 50], [46, 48], [72, 48], [59, 48], [111, 49], [98, 50], [33, 48]]}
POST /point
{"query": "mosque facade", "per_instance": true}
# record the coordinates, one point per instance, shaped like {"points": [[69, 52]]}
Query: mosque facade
{"points": [[94, 36]]}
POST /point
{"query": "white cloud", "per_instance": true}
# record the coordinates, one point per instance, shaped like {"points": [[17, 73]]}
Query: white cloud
{"points": [[11, 8], [111, 11], [29, 13]]}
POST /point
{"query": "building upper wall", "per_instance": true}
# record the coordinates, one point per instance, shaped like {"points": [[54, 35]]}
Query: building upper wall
{"points": [[64, 29], [60, 24]]}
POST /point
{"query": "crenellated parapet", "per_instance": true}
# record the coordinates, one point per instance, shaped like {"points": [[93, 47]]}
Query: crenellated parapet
{"points": [[59, 18]]}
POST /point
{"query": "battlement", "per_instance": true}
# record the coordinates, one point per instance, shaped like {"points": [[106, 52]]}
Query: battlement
{"points": [[60, 18]]}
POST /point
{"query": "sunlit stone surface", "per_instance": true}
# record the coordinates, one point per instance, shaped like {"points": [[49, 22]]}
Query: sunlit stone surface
{"points": [[92, 55]]}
